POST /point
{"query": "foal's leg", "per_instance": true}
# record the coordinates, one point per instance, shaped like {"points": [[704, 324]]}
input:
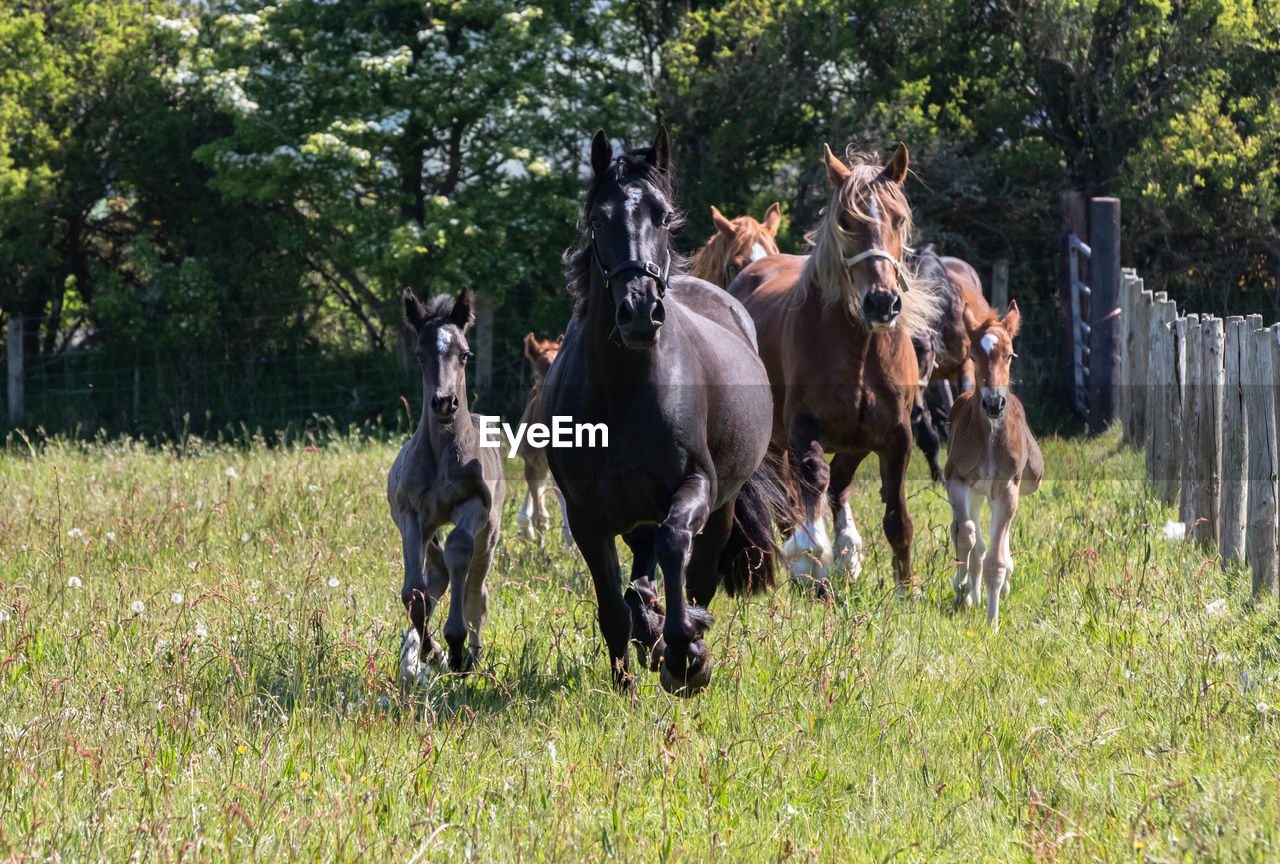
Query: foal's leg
{"points": [[848, 545], [898, 528], [601, 555], [686, 666], [999, 561], [808, 548], [413, 593], [979, 549], [475, 602], [565, 533], [470, 521]]}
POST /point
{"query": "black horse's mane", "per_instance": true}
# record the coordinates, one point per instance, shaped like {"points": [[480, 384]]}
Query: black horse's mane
{"points": [[633, 165]]}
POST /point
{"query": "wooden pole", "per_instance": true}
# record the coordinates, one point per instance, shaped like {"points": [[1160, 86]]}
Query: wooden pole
{"points": [[1188, 374], [1260, 539], [1000, 285], [1148, 353], [1170, 416], [1235, 446], [1209, 442], [1133, 395], [17, 396], [1104, 310], [1074, 220]]}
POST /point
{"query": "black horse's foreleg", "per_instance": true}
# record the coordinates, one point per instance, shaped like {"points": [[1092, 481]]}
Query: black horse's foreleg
{"points": [[686, 667], [647, 613], [601, 556], [898, 529], [927, 437]]}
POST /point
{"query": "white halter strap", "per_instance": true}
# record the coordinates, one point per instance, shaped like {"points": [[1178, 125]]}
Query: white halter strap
{"points": [[898, 266]]}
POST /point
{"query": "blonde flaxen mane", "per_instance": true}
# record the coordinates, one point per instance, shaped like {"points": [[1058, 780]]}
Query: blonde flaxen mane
{"points": [[826, 272]]}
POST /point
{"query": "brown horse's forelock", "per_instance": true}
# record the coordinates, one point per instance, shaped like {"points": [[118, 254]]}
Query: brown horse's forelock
{"points": [[710, 261], [825, 271], [629, 167]]}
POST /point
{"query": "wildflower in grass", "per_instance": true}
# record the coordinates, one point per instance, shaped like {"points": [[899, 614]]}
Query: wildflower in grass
{"points": [[111, 535], [311, 487], [201, 631], [75, 532], [242, 749], [1263, 707], [252, 505], [137, 607], [175, 598], [191, 565], [4, 615], [244, 538], [333, 582], [74, 582], [305, 774], [1042, 701], [1217, 608], [231, 473]]}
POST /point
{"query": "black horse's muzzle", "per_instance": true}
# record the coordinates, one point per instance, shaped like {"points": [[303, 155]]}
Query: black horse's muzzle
{"points": [[993, 405], [638, 318], [882, 307], [445, 407]]}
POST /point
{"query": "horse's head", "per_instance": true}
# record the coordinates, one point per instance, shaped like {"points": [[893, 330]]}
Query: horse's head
{"points": [[629, 215], [442, 349], [736, 243], [991, 347], [861, 237], [541, 354]]}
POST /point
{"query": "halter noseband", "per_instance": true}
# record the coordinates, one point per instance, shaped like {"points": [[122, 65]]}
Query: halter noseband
{"points": [[898, 266], [649, 268]]}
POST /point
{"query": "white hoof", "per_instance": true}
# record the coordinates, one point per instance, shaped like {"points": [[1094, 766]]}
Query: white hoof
{"points": [[524, 525], [848, 552], [410, 659], [809, 553]]}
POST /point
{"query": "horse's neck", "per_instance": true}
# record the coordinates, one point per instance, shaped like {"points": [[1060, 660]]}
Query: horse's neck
{"points": [[609, 362], [456, 439]]}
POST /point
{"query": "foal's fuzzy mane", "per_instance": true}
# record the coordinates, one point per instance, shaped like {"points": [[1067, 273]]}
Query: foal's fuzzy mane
{"points": [[710, 261], [629, 167], [439, 306], [825, 270]]}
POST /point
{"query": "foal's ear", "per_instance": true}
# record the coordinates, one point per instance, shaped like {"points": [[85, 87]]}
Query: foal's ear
{"points": [[723, 225], [1012, 320], [414, 312], [661, 157], [559, 340], [530, 344], [971, 322], [896, 170], [837, 171], [463, 313], [772, 219], [601, 152]]}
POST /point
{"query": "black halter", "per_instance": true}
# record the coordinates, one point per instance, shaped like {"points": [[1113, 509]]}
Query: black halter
{"points": [[659, 274]]}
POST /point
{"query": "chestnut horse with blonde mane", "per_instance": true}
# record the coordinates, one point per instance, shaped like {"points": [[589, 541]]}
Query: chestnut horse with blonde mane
{"points": [[532, 519], [835, 330], [736, 243], [992, 456]]}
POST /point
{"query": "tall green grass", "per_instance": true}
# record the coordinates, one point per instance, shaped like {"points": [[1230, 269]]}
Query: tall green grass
{"points": [[196, 647]]}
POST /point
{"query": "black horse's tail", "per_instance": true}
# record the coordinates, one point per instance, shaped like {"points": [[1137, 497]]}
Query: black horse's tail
{"points": [[750, 558]]}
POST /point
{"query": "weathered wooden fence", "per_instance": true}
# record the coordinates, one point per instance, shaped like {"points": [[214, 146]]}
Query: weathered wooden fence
{"points": [[1199, 395]]}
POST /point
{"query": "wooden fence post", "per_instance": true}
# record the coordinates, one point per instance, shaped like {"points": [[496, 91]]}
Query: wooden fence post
{"points": [[1209, 440], [1148, 353], [1235, 446], [1260, 541], [17, 396], [1104, 310], [1134, 390], [1000, 285], [1188, 375], [1169, 419], [1074, 220]]}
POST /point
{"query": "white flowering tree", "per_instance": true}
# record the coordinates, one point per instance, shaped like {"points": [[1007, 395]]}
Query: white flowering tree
{"points": [[421, 144]]}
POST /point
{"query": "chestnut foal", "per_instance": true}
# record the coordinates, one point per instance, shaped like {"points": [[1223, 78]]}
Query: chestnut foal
{"points": [[533, 519], [991, 455]]}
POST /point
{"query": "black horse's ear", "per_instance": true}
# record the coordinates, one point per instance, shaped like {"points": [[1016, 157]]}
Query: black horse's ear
{"points": [[414, 312], [601, 152], [464, 314], [661, 157]]}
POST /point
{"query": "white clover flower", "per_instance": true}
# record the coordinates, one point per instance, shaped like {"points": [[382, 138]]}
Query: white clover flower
{"points": [[201, 632], [191, 565], [333, 582], [1042, 701], [252, 506], [4, 615], [138, 607], [75, 532], [111, 535], [231, 472], [74, 582], [175, 598], [244, 538], [1263, 707], [311, 487]]}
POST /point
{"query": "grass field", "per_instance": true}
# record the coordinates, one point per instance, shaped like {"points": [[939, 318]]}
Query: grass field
{"points": [[194, 648]]}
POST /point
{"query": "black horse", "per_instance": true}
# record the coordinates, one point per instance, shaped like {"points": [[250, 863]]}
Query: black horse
{"points": [[668, 363]]}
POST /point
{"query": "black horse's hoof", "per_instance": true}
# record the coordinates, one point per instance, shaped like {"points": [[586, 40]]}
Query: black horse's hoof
{"points": [[695, 675]]}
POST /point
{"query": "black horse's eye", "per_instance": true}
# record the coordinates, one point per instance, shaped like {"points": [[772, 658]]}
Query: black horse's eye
{"points": [[668, 218], [466, 355]]}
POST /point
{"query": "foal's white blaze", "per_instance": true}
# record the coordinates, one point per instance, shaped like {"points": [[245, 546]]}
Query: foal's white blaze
{"points": [[757, 252], [989, 343], [444, 339]]}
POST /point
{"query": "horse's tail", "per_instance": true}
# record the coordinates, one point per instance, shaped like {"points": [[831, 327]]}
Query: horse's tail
{"points": [[749, 560]]}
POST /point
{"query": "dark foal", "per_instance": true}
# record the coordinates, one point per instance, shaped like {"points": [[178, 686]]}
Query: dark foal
{"points": [[442, 475], [668, 362]]}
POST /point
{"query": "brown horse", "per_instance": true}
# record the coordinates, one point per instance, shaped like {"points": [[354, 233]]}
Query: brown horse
{"points": [[532, 520], [443, 475], [835, 330], [991, 455], [736, 243]]}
